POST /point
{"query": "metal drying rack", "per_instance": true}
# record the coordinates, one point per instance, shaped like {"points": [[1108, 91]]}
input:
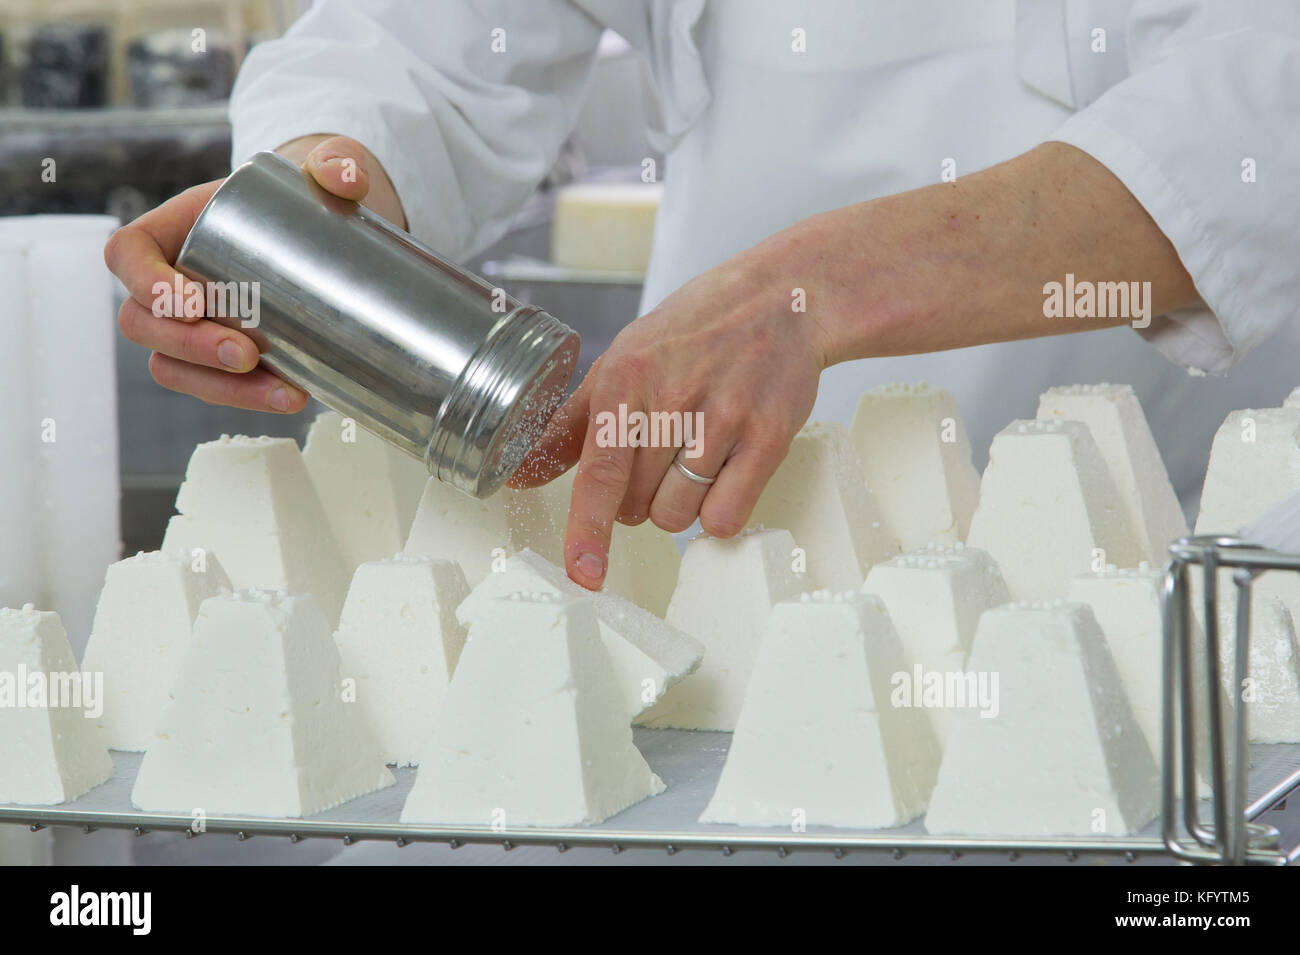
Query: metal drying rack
{"points": [[691, 762]]}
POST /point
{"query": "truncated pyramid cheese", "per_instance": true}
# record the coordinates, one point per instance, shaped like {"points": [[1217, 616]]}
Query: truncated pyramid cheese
{"points": [[451, 525], [51, 751], [258, 721], [1063, 755], [643, 560], [1293, 399], [399, 639], [1115, 419], [1272, 685], [251, 502], [726, 589], [142, 626], [533, 731], [935, 596], [605, 225], [819, 740], [819, 494], [1255, 464], [917, 457], [1127, 605], [647, 655], [1048, 509], [369, 488]]}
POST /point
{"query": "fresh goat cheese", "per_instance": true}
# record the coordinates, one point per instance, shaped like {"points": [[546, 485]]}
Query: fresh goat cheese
{"points": [[368, 488], [917, 460], [1115, 419], [51, 751], [399, 639], [819, 741], [935, 596], [251, 502], [819, 494], [647, 654], [726, 589], [142, 626], [1048, 510], [451, 525], [533, 730], [1064, 755], [259, 721], [643, 560]]}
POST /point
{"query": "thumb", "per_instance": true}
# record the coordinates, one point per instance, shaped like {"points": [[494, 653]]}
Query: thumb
{"points": [[339, 165]]}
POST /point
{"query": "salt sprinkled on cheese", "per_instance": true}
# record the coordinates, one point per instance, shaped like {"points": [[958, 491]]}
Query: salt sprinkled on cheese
{"points": [[724, 594], [819, 494], [647, 654], [1048, 509], [643, 560], [1115, 419], [451, 525], [50, 752], [935, 597], [142, 626], [251, 502], [259, 721], [818, 740], [533, 730], [368, 488], [399, 639], [1254, 464], [917, 460], [1128, 607], [1064, 755]]}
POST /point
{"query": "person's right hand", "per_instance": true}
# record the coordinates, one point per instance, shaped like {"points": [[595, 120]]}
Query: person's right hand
{"points": [[195, 355]]}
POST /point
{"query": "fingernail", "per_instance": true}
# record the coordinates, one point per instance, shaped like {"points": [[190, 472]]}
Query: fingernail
{"points": [[280, 400], [591, 566], [231, 355]]}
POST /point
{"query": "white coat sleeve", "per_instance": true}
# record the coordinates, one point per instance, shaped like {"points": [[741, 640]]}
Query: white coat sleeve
{"points": [[465, 103], [1205, 133]]}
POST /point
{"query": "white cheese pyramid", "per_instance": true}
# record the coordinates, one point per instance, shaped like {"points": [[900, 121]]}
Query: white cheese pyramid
{"points": [[399, 639], [1115, 419], [819, 494], [819, 741], [1048, 510], [368, 488], [1128, 607], [935, 597], [258, 722], [1293, 399], [1064, 755], [51, 751], [917, 458], [1255, 464], [451, 525], [725, 591], [643, 560], [533, 730], [142, 626], [646, 654], [251, 502]]}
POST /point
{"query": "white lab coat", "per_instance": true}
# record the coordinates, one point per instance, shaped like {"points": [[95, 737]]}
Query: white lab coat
{"points": [[1176, 97]]}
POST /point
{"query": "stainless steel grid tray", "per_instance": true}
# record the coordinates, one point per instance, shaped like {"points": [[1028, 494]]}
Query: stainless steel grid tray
{"points": [[688, 762]]}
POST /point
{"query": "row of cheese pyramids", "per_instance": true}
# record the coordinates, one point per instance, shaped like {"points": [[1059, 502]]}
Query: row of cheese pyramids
{"points": [[1045, 475]]}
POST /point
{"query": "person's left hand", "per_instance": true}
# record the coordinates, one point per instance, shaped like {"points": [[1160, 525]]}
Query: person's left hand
{"points": [[727, 346]]}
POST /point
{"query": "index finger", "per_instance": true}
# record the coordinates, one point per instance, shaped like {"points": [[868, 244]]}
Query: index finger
{"points": [[141, 252], [599, 486]]}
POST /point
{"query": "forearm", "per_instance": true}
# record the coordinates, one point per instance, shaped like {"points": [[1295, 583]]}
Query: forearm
{"points": [[381, 198], [965, 263]]}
